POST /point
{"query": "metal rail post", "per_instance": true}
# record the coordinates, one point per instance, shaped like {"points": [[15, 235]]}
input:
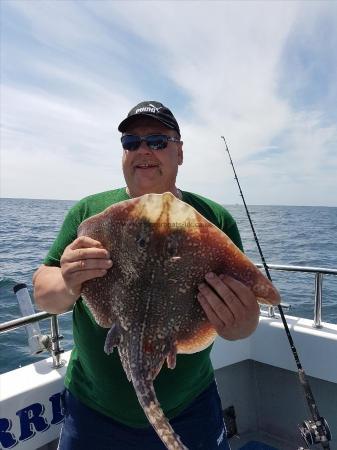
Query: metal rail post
{"points": [[56, 351], [318, 301]]}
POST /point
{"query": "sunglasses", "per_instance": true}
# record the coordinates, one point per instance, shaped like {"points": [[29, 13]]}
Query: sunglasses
{"points": [[132, 142]]}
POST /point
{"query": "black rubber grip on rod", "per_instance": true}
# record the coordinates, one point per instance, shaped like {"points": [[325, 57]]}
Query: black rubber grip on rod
{"points": [[18, 287]]}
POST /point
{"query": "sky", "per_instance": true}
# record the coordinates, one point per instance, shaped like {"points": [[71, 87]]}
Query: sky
{"points": [[262, 74]]}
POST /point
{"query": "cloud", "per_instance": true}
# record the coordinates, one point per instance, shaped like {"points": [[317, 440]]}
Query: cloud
{"points": [[236, 74], [48, 139], [308, 64]]}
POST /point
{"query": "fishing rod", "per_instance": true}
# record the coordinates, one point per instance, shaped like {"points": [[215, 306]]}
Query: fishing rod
{"points": [[315, 431]]}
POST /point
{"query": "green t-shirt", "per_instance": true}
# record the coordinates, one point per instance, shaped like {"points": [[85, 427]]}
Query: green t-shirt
{"points": [[97, 379]]}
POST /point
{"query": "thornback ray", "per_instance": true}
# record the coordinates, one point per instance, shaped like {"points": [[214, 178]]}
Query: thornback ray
{"points": [[161, 249]]}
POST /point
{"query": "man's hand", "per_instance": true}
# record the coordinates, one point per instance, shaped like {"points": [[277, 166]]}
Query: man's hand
{"points": [[230, 306], [83, 260], [56, 289]]}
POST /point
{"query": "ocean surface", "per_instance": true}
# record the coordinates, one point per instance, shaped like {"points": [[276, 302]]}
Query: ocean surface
{"points": [[289, 235]]}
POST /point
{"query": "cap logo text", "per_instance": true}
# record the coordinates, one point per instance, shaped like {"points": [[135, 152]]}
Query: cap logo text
{"points": [[151, 108]]}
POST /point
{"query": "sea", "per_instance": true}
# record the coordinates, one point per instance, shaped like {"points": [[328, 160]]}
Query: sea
{"points": [[288, 235]]}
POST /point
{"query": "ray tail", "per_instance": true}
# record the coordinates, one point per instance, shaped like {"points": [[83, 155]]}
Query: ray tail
{"points": [[149, 402]]}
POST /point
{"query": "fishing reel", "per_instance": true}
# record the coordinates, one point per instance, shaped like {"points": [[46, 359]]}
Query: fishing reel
{"points": [[315, 432]]}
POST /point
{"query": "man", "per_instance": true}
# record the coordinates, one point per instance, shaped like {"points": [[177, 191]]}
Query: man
{"points": [[101, 408]]}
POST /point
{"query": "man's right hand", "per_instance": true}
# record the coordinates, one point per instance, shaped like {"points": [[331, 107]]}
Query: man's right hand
{"points": [[56, 289], [83, 260]]}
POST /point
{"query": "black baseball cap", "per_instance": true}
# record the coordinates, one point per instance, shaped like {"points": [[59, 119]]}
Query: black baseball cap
{"points": [[152, 109]]}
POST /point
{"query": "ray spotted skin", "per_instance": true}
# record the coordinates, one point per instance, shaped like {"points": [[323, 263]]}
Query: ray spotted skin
{"points": [[161, 249]]}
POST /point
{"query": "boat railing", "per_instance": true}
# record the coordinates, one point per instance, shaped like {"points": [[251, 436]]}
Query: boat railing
{"points": [[52, 342], [318, 296]]}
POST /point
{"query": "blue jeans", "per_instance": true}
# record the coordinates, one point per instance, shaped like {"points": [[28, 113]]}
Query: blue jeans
{"points": [[200, 426]]}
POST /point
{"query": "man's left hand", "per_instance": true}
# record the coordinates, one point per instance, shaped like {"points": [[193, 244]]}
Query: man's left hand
{"points": [[230, 306]]}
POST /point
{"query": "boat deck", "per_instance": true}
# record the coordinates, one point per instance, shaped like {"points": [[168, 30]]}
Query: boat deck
{"points": [[263, 441], [258, 441]]}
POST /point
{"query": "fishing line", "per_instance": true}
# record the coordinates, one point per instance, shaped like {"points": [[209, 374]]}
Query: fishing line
{"points": [[314, 431]]}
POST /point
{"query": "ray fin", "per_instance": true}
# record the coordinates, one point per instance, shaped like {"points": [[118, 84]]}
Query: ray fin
{"points": [[112, 338], [172, 357]]}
